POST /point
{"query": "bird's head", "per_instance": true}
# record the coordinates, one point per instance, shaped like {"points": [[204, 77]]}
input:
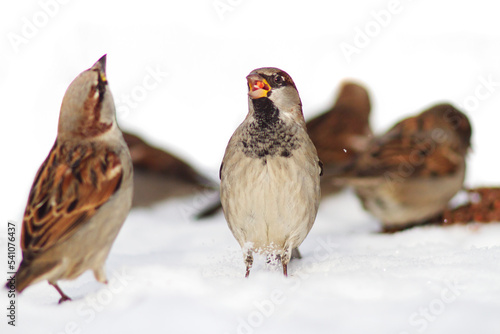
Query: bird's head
{"points": [[269, 86], [88, 109]]}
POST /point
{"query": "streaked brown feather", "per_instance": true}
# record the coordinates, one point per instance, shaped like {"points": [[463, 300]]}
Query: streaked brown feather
{"points": [[414, 142], [337, 132], [67, 193]]}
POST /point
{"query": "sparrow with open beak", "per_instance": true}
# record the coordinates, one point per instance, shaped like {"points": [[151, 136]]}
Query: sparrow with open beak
{"points": [[408, 175], [339, 135], [270, 173], [82, 192]]}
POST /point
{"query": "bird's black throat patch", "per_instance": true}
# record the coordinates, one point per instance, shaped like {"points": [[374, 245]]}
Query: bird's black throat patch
{"points": [[268, 135], [266, 114]]}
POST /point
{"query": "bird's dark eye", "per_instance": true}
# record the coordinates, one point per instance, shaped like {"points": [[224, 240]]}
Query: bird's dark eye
{"points": [[279, 79]]}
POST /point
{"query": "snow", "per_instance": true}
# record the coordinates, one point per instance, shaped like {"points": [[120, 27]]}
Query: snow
{"points": [[170, 273], [175, 275]]}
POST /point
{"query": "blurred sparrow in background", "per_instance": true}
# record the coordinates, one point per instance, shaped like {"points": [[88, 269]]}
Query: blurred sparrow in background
{"points": [[408, 175], [82, 192], [341, 133], [270, 174], [159, 175]]}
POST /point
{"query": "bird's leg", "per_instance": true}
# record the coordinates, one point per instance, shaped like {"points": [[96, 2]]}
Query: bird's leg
{"points": [[64, 297], [296, 254], [100, 275], [285, 258], [248, 262]]}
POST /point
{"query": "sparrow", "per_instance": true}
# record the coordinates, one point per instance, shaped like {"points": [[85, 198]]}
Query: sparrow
{"points": [[270, 173], [483, 206], [159, 175], [341, 133], [409, 174], [82, 192]]}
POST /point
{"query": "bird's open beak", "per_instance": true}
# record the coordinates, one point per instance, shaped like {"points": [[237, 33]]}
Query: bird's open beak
{"points": [[257, 86]]}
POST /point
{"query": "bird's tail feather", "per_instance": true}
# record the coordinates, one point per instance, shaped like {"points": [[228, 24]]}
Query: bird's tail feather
{"points": [[29, 273]]}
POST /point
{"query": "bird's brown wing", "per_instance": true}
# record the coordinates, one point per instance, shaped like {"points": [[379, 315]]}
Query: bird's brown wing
{"points": [[344, 130], [69, 188], [408, 153]]}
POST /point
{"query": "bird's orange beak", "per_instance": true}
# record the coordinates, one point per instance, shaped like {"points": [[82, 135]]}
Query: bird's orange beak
{"points": [[257, 86]]}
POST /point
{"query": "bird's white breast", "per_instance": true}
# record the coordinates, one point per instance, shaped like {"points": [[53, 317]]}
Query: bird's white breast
{"points": [[270, 202]]}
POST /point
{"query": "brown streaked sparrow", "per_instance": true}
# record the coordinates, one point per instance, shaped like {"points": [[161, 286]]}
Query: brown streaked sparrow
{"points": [[341, 133], [82, 192], [270, 174], [408, 175]]}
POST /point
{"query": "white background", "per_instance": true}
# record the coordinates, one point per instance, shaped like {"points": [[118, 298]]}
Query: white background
{"points": [[424, 53]]}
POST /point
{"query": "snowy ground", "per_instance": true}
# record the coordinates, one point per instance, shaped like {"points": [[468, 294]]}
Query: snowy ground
{"points": [[177, 72], [173, 275]]}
